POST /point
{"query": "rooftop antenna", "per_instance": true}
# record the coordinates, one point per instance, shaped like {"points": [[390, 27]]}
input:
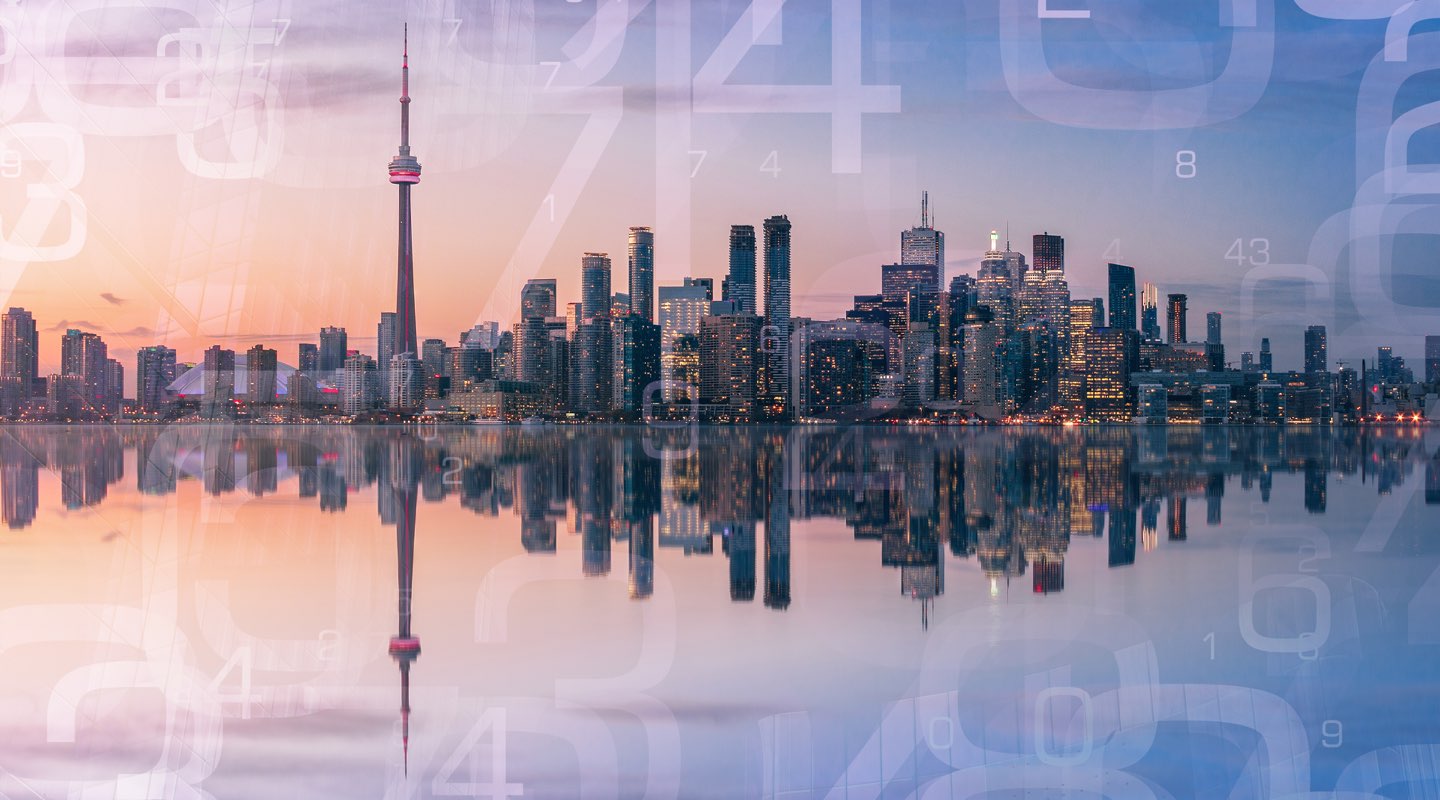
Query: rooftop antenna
{"points": [[925, 209]]}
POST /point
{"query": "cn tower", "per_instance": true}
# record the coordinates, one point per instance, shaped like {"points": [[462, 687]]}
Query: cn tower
{"points": [[405, 171]]}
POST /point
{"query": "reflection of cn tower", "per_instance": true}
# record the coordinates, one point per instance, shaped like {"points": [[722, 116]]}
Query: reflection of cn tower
{"points": [[404, 647]]}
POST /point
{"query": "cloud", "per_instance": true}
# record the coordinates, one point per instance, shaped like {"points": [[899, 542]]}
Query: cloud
{"points": [[112, 299], [86, 325], [82, 324]]}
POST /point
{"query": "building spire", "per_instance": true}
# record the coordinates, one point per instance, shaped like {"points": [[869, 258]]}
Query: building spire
{"points": [[405, 94], [925, 208]]}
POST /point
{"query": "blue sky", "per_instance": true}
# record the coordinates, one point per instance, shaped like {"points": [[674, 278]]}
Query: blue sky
{"points": [[546, 129]]}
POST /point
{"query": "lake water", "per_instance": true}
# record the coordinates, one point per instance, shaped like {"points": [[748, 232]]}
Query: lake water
{"points": [[256, 612]]}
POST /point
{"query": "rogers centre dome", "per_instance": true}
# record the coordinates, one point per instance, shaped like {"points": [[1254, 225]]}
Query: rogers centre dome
{"points": [[192, 382]]}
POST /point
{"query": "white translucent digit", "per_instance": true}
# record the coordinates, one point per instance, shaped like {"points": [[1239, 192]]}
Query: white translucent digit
{"points": [[1250, 587], [1043, 93], [60, 151], [846, 98]]}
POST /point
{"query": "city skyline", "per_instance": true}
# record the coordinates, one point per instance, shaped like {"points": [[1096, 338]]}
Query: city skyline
{"points": [[283, 263]]}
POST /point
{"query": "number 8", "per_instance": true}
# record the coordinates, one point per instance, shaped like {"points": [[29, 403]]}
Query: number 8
{"points": [[1185, 164]]}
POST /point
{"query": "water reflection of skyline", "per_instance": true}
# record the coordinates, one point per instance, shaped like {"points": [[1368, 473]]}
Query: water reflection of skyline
{"points": [[1011, 500], [1007, 503]]}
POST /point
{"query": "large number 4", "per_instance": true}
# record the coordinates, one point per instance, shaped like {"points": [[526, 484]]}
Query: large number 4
{"points": [[444, 783], [845, 99]]}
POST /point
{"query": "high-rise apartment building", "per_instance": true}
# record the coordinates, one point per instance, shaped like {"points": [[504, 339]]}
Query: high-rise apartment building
{"points": [[20, 348], [635, 348], [1316, 358], [681, 309], [1176, 306], [217, 402], [1432, 359], [84, 355], [538, 298], [406, 386], [359, 384], [1084, 315], [1111, 355], [730, 366], [261, 366], [1122, 296], [777, 316], [641, 251], [595, 285], [739, 284], [334, 345], [154, 372]]}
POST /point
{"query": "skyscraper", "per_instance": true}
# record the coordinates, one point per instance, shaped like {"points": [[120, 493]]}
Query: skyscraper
{"points": [[1048, 252], [1267, 359], [1111, 355], [20, 348], [404, 173], [729, 355], [739, 285], [1212, 328], [405, 387], [84, 355], [114, 401], [1084, 315], [217, 402], [1122, 296], [591, 366], [334, 344], [924, 245], [777, 313], [1175, 310], [681, 309], [359, 384], [386, 334], [307, 357], [1316, 359], [154, 371], [899, 280], [594, 285], [635, 346], [261, 364], [538, 298], [1150, 313], [997, 286], [642, 273], [1432, 359], [980, 368]]}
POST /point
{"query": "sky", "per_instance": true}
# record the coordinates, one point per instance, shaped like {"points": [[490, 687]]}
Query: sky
{"points": [[185, 173]]}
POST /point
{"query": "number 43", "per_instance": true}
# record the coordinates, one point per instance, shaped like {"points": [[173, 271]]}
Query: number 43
{"points": [[1258, 252]]}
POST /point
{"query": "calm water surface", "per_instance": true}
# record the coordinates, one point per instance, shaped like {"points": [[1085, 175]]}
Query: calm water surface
{"points": [[249, 612]]}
